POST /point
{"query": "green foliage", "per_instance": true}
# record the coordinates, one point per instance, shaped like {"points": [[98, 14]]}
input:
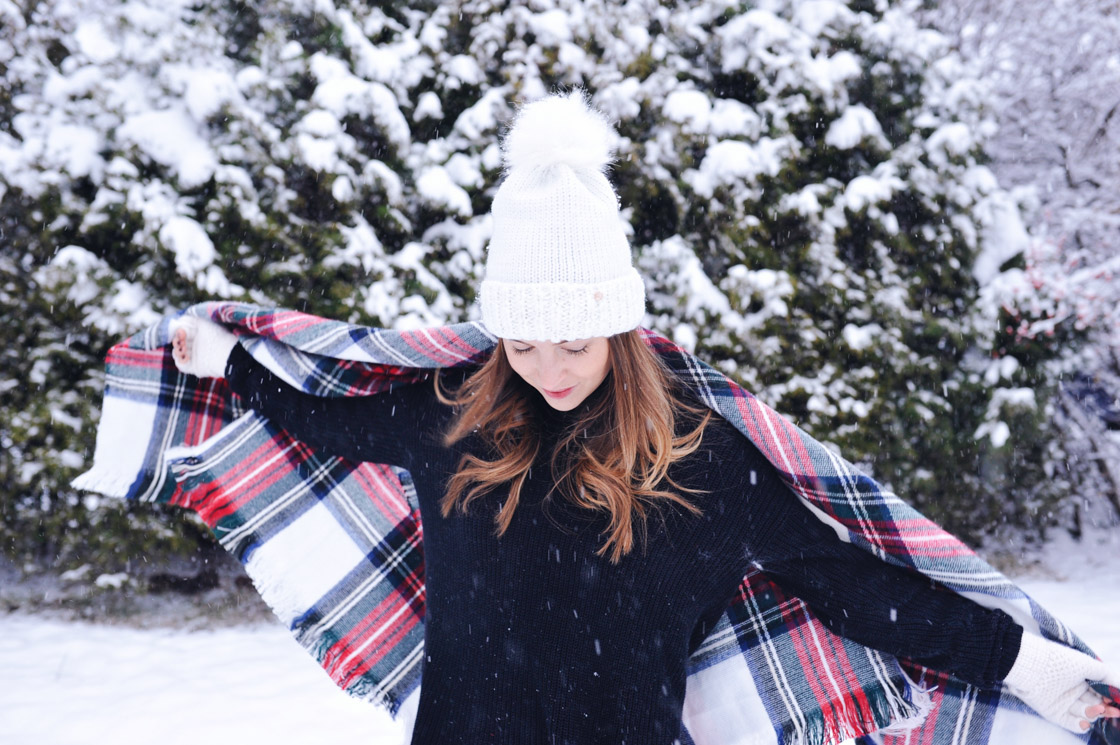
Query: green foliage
{"points": [[807, 196], [52, 377]]}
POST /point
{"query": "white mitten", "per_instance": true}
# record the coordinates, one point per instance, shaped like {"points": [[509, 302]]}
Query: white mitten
{"points": [[1054, 680], [204, 347]]}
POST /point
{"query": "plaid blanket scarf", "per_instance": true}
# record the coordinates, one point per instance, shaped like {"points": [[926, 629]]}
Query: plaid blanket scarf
{"points": [[335, 547]]}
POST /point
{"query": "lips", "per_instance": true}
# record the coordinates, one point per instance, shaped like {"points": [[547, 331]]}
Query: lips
{"points": [[558, 394]]}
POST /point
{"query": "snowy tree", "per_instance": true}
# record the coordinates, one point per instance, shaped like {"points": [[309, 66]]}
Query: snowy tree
{"points": [[1054, 71], [804, 180]]}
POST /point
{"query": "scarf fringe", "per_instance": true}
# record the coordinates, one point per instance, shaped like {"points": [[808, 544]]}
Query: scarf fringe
{"points": [[107, 481], [921, 705], [893, 713], [361, 687], [269, 581]]}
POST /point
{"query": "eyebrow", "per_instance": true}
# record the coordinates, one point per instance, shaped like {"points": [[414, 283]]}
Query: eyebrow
{"points": [[519, 341]]}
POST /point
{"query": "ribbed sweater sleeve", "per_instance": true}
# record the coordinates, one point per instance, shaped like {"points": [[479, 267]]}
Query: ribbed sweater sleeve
{"points": [[883, 606], [395, 426]]}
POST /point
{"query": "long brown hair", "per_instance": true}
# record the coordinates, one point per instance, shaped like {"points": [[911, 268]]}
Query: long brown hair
{"points": [[615, 458]]}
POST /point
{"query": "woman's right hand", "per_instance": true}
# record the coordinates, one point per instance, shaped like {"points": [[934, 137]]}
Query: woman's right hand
{"points": [[201, 347]]}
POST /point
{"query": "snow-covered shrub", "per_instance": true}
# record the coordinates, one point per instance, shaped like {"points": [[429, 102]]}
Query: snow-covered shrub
{"points": [[1053, 68], [803, 179]]}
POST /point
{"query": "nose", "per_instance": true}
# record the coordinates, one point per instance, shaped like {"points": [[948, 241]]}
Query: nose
{"points": [[551, 371]]}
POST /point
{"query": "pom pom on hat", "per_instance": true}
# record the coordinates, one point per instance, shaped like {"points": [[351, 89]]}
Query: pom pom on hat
{"points": [[559, 130], [558, 265]]}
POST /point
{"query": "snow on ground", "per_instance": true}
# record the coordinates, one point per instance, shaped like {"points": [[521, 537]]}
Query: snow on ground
{"points": [[77, 683], [1079, 582], [71, 683]]}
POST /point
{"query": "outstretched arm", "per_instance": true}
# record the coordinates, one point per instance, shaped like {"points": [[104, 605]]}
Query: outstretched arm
{"points": [[389, 427], [905, 613], [882, 606]]}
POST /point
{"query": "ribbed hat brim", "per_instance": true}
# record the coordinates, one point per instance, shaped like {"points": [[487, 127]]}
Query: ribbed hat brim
{"points": [[559, 311]]}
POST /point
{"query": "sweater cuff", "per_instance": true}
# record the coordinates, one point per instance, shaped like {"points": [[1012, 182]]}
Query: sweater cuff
{"points": [[1008, 650]]}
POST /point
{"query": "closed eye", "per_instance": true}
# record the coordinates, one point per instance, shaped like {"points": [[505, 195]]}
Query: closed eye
{"points": [[524, 350], [574, 352]]}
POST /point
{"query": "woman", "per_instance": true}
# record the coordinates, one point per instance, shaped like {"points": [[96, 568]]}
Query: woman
{"points": [[585, 517]]}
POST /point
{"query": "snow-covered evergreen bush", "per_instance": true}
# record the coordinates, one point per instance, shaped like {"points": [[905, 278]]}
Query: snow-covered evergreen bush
{"points": [[804, 180], [1054, 70]]}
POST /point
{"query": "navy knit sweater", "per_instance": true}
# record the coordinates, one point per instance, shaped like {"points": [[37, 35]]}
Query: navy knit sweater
{"points": [[532, 639]]}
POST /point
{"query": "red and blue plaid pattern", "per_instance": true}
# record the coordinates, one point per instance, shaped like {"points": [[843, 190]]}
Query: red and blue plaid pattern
{"points": [[336, 547]]}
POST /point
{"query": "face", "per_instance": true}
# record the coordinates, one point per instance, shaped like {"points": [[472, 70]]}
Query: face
{"points": [[564, 373]]}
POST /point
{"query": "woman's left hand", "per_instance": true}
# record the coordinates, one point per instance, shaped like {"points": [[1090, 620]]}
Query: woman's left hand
{"points": [[1054, 680], [1107, 710]]}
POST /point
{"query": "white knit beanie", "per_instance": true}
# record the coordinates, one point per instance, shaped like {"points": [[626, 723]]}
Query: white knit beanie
{"points": [[558, 265]]}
